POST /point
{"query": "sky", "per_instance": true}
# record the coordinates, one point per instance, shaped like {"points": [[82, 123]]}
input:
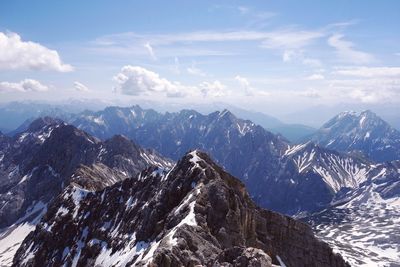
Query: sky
{"points": [[277, 57]]}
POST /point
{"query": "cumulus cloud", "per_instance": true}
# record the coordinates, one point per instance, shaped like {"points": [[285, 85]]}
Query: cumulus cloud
{"points": [[80, 87], [18, 54], [135, 80], [346, 51], [27, 85]]}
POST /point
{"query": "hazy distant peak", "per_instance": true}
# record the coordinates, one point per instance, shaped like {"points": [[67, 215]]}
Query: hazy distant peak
{"points": [[362, 132]]}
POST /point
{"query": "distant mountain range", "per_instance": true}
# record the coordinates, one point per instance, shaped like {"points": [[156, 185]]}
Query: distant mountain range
{"points": [[363, 132], [16, 116]]}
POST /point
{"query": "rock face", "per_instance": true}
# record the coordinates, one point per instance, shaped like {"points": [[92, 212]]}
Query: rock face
{"points": [[195, 214], [363, 132], [36, 165]]}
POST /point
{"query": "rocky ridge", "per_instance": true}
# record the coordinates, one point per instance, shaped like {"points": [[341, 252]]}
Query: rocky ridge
{"points": [[194, 214]]}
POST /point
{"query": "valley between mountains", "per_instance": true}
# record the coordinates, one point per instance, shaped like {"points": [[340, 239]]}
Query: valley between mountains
{"points": [[134, 187]]}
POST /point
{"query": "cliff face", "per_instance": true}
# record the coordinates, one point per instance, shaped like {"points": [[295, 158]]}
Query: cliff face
{"points": [[195, 214]]}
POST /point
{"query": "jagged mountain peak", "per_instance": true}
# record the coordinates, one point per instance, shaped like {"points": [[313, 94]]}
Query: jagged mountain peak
{"points": [[70, 132], [352, 121], [193, 214], [35, 166], [363, 132], [39, 123], [226, 112]]}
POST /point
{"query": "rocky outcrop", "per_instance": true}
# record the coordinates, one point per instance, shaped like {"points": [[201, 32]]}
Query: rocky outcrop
{"points": [[195, 214]]}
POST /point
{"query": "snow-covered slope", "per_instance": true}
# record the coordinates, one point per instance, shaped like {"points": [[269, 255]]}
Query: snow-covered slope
{"points": [[363, 224], [336, 169], [363, 132], [192, 215]]}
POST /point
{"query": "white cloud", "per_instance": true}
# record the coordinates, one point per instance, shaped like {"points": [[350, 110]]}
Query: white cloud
{"points": [[369, 72], [80, 87], [18, 54], [298, 56], [315, 77], [371, 97], [247, 88], [150, 50], [27, 85], [135, 80], [280, 39], [367, 90], [214, 89], [245, 84], [346, 51], [293, 39]]}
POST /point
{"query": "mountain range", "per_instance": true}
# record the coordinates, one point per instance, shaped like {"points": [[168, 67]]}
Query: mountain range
{"points": [[36, 166], [194, 214], [15, 117], [335, 191], [264, 161]]}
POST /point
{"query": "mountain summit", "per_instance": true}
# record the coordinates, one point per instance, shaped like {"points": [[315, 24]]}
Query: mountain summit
{"points": [[363, 132], [195, 214]]}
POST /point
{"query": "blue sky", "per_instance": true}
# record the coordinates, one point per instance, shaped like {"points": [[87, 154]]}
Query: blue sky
{"points": [[264, 55]]}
